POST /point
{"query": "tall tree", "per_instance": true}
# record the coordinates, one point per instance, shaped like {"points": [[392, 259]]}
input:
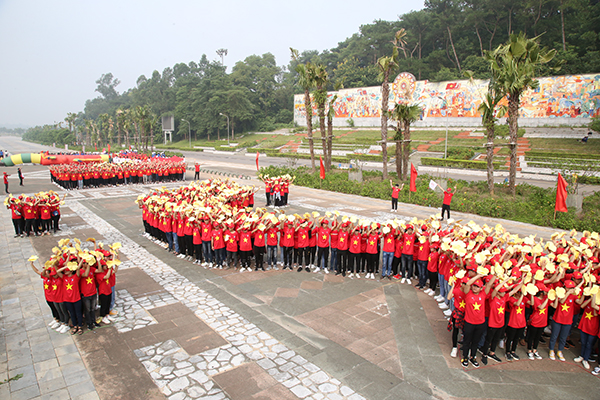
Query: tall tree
{"points": [[321, 79], [305, 81], [406, 114], [514, 66], [106, 86]]}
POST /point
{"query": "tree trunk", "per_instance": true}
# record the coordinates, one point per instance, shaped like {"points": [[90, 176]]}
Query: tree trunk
{"points": [[385, 94], [513, 128], [308, 108], [490, 155], [453, 49], [399, 157], [480, 43], [329, 141], [322, 128], [406, 150]]}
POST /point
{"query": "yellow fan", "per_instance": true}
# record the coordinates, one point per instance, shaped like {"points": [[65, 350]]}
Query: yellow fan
{"points": [[315, 214], [386, 230], [561, 292], [33, 258], [498, 270], [461, 274], [116, 246], [328, 214], [531, 288], [72, 265], [551, 295], [483, 271], [539, 275]]}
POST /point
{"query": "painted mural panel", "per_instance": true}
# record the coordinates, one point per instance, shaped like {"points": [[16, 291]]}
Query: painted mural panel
{"points": [[572, 96]]}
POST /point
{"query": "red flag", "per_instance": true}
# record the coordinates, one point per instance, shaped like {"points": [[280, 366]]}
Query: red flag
{"points": [[95, 147], [561, 195], [413, 178], [109, 147], [257, 160], [322, 171]]}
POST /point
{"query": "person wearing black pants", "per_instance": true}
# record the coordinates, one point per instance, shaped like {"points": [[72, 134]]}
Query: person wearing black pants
{"points": [[475, 298], [516, 325], [496, 322], [538, 321]]}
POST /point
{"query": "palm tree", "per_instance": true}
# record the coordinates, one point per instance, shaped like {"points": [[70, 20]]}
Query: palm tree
{"points": [[70, 120], [514, 66], [488, 111], [320, 80], [306, 83], [405, 115], [121, 117], [386, 65]]}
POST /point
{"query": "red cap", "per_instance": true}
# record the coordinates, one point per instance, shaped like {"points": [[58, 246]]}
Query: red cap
{"points": [[577, 275], [541, 286], [569, 284], [478, 282]]}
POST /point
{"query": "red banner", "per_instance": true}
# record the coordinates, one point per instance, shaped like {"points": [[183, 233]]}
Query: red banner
{"points": [[561, 195], [257, 160], [322, 171], [413, 178]]}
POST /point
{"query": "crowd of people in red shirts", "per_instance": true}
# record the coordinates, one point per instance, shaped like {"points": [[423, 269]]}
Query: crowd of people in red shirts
{"points": [[75, 280], [493, 287], [38, 214], [277, 189], [87, 175]]}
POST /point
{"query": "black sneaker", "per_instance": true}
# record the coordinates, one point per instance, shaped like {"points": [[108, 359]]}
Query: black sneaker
{"points": [[484, 360], [344, 273], [474, 362], [515, 356], [509, 357], [464, 362], [299, 269], [307, 269], [494, 357]]}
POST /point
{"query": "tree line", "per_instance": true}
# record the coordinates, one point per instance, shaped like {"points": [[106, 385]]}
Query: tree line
{"points": [[439, 42]]}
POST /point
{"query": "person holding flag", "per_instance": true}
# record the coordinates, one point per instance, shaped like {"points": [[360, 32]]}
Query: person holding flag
{"points": [[448, 193]]}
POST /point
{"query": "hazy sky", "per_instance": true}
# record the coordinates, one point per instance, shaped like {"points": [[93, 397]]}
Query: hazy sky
{"points": [[53, 51]]}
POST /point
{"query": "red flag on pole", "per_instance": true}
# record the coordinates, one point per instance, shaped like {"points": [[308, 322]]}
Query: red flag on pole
{"points": [[561, 195], [109, 147], [257, 160], [322, 171], [413, 178]]}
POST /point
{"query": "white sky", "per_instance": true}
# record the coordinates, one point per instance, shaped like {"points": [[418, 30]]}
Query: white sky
{"points": [[53, 51]]}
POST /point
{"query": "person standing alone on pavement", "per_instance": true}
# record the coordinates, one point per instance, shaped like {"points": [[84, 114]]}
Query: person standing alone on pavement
{"points": [[6, 183], [20, 176], [448, 193], [395, 192]]}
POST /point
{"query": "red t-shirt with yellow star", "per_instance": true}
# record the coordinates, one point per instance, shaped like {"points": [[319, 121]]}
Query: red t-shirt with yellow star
{"points": [[87, 285], [48, 292], [409, 243], [231, 236], [475, 307], [459, 298], [272, 236], [355, 243], [517, 313], [539, 318], [323, 237], [564, 311], [372, 241], [302, 237], [245, 241], [104, 286], [589, 323], [497, 312], [71, 292], [287, 236]]}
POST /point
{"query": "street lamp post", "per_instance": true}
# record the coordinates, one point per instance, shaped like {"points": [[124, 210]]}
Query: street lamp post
{"points": [[189, 131], [227, 126]]}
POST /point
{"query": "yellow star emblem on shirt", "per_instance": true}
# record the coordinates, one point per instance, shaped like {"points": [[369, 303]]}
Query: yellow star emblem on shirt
{"points": [[231, 240], [324, 237], [355, 243], [89, 280], [341, 239], [106, 280], [408, 243], [371, 243], [69, 286], [217, 237], [54, 287], [588, 315], [500, 310], [205, 230], [476, 306], [389, 240], [519, 310], [565, 307], [462, 304], [289, 236], [420, 248], [272, 235], [245, 240], [46, 286], [542, 311]]}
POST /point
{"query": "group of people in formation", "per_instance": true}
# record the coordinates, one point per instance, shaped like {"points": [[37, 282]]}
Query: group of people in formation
{"points": [[76, 277], [127, 171], [38, 214], [496, 289], [277, 189]]}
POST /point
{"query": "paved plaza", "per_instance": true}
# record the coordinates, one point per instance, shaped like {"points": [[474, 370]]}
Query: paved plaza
{"points": [[186, 332]]}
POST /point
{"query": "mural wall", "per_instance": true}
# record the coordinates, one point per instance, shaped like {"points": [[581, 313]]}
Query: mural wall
{"points": [[559, 100]]}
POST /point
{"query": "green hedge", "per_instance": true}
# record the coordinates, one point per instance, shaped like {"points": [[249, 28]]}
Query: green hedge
{"points": [[227, 148], [532, 154], [448, 162], [564, 165]]}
